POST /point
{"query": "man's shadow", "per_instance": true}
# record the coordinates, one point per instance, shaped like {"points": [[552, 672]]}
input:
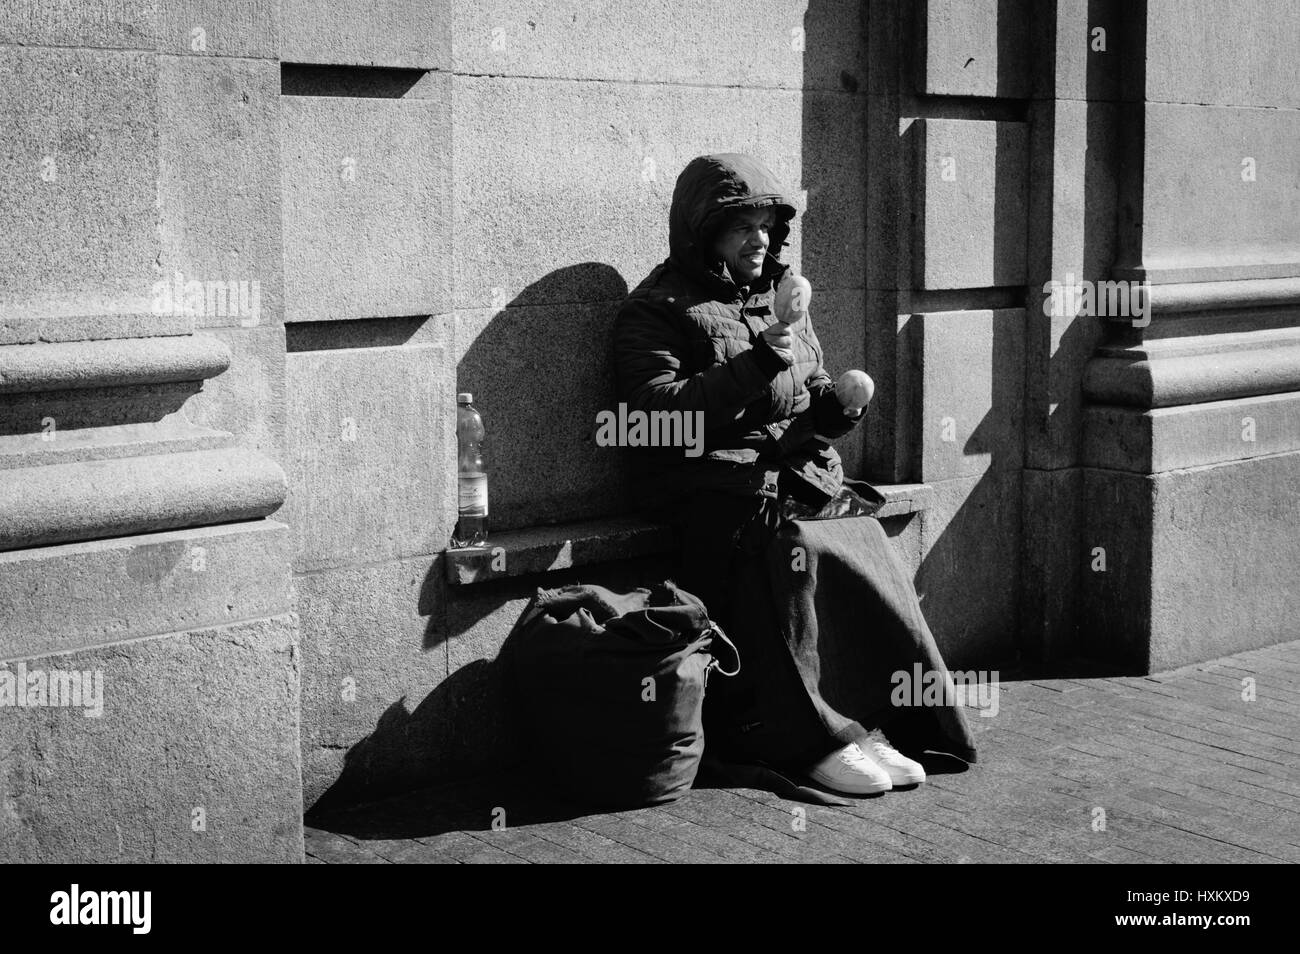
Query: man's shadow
{"points": [[539, 369]]}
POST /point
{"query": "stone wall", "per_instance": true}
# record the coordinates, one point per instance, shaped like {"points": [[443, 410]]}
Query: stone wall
{"points": [[545, 141], [141, 439], [238, 514], [1191, 442]]}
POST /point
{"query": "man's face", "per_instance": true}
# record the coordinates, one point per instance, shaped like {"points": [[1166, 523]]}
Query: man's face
{"points": [[743, 242]]}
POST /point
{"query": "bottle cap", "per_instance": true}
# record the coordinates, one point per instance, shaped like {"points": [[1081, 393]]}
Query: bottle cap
{"points": [[464, 397]]}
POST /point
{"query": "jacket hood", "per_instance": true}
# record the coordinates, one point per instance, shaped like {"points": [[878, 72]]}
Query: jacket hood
{"points": [[707, 190]]}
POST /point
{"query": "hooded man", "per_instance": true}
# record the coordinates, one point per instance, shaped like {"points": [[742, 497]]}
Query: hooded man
{"points": [[700, 335]]}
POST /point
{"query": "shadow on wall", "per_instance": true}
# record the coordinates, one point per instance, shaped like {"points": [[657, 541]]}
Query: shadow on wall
{"points": [[970, 573], [539, 371], [830, 227]]}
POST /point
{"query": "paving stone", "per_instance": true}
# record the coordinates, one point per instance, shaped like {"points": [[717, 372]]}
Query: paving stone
{"points": [[1185, 775]]}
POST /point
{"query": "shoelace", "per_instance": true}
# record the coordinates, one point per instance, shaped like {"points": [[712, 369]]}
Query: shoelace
{"points": [[853, 755], [886, 752]]}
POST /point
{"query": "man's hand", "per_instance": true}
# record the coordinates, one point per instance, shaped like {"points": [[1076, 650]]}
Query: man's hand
{"points": [[780, 338]]}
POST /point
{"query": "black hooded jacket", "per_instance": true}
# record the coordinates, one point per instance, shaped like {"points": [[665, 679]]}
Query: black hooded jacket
{"points": [[688, 339]]}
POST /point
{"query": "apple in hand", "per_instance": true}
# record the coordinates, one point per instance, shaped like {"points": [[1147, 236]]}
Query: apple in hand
{"points": [[793, 297], [854, 389]]}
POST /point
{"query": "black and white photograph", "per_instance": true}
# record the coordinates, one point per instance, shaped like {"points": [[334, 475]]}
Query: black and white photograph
{"points": [[663, 432]]}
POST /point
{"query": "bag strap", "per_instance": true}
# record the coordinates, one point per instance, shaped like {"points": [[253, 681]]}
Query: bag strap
{"points": [[715, 629]]}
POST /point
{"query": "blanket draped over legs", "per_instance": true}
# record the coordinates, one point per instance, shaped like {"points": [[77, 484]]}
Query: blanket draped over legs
{"points": [[824, 615]]}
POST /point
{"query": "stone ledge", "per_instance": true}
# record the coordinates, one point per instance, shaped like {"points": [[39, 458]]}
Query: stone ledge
{"points": [[545, 549], [96, 364], [1223, 295], [66, 503], [902, 500], [1194, 435], [18, 329], [1270, 364]]}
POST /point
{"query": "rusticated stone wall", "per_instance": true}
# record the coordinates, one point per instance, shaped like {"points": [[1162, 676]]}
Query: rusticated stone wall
{"points": [[254, 249]]}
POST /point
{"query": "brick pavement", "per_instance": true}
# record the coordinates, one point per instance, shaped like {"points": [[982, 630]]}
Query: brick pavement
{"points": [[1178, 766]]}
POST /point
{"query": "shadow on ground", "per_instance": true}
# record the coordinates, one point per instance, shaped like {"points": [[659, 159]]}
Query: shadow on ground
{"points": [[515, 799]]}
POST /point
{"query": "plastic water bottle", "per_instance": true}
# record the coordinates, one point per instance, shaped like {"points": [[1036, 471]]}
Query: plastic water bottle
{"points": [[471, 474]]}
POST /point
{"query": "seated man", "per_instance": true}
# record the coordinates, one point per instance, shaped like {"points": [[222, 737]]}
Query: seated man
{"points": [[822, 610]]}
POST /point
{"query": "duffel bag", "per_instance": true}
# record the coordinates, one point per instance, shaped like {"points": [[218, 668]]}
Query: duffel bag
{"points": [[608, 690]]}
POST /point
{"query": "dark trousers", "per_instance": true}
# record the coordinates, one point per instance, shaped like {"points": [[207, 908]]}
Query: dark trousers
{"points": [[818, 642]]}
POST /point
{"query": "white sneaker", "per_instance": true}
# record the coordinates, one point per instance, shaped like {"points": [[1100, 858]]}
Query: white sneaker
{"points": [[850, 771], [901, 769]]}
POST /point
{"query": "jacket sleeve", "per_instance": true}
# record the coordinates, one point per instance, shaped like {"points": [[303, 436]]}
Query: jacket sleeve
{"points": [[824, 416], [650, 353]]}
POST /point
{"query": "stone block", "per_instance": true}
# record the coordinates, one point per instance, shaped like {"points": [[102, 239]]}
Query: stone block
{"points": [[1226, 559], [372, 650], [1071, 238], [109, 24], [970, 231], [833, 248], [1052, 560], [888, 40], [839, 318], [81, 168], [539, 376], [409, 34], [248, 399], [371, 454], [904, 532], [219, 188], [78, 595], [974, 48], [1173, 438], [193, 759], [244, 28], [1239, 54], [563, 189], [884, 426], [969, 579], [367, 210], [1088, 42], [1072, 182], [972, 402], [1199, 563], [753, 43], [890, 151], [1242, 166]]}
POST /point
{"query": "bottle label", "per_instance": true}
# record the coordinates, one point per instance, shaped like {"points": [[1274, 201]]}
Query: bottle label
{"points": [[474, 495]]}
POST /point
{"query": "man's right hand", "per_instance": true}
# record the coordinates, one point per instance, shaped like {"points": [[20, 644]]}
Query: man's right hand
{"points": [[780, 338]]}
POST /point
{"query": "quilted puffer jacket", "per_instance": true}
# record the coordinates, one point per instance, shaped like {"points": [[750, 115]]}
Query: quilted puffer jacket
{"points": [[689, 339]]}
